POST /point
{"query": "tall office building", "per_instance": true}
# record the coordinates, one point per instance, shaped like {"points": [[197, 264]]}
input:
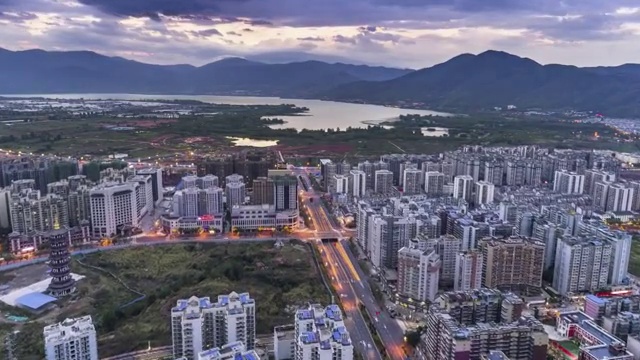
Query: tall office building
{"points": [[434, 183], [286, 192], [263, 191], [72, 339], [235, 193], [113, 205], [463, 187], [383, 182], [320, 334], [341, 184], [484, 193], [515, 263], [197, 324], [418, 274], [468, 272], [29, 212], [619, 198], [566, 182], [358, 183], [412, 181], [582, 264]]}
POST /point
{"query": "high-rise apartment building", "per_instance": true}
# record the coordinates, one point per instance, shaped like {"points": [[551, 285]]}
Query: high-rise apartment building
{"points": [[434, 183], [463, 187], [567, 182], [320, 334], [358, 183], [619, 198], [582, 264], [383, 182], [113, 205], [418, 273], [197, 324], [466, 325], [484, 193], [341, 184], [156, 182], [72, 339], [515, 263], [207, 181], [468, 272], [412, 182], [232, 351], [235, 193], [210, 201], [29, 211]]}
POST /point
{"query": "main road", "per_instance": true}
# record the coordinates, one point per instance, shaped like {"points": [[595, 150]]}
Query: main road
{"points": [[351, 280]]}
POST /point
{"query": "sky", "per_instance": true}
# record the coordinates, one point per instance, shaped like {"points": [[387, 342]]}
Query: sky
{"points": [[400, 33]]}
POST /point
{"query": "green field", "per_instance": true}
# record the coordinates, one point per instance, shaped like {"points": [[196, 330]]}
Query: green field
{"points": [[634, 259], [278, 279]]}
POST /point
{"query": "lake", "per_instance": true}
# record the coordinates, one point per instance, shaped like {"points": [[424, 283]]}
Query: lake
{"points": [[321, 115]]}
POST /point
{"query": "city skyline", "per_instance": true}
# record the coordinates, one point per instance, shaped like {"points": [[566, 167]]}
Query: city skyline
{"points": [[384, 32]]}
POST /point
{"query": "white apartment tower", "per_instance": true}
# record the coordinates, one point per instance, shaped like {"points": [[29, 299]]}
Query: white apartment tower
{"points": [[320, 334], [412, 180], [113, 205], [210, 201], [418, 273], [358, 183], [434, 183], [207, 182], [197, 324], [468, 271], [186, 202], [567, 182], [341, 183], [235, 193], [484, 193], [619, 198], [383, 182], [463, 187], [582, 264], [72, 339]]}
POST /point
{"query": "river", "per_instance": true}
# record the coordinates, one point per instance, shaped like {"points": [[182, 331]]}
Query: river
{"points": [[321, 115]]}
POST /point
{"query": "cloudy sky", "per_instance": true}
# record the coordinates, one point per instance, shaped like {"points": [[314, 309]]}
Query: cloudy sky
{"points": [[407, 33]]}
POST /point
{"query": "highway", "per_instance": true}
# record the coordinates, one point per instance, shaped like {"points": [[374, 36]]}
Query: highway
{"points": [[352, 282]]}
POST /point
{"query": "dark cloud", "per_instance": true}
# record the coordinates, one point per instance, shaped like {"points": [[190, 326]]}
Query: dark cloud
{"points": [[207, 33], [258, 22], [17, 17], [345, 39], [368, 28], [311, 38], [247, 30], [233, 33]]}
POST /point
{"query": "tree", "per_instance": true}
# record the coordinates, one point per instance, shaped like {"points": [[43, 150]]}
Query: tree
{"points": [[412, 338]]}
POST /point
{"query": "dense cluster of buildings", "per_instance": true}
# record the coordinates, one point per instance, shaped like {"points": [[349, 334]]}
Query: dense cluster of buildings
{"points": [[225, 329], [201, 203], [503, 219], [86, 210]]}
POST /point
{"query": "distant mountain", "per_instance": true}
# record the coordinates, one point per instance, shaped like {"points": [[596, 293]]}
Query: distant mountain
{"points": [[38, 71], [496, 78]]}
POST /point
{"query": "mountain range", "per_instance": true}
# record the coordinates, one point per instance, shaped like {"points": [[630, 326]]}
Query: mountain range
{"points": [[464, 83], [41, 72]]}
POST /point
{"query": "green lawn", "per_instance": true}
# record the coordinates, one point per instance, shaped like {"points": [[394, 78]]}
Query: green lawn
{"points": [[634, 259], [278, 279]]}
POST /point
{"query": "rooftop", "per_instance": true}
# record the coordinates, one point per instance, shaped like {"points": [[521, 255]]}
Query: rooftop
{"points": [[34, 300]]}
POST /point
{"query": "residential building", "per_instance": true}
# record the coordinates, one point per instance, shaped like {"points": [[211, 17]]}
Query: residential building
{"points": [[567, 182], [197, 324], [321, 334], [263, 191], [235, 193], [232, 351], [29, 211], [515, 263], [72, 339], [412, 181], [463, 187], [186, 202], [383, 182], [358, 183], [582, 264], [113, 206], [484, 193], [434, 183], [468, 271], [418, 274], [341, 184], [156, 182], [207, 181], [619, 198], [284, 342]]}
